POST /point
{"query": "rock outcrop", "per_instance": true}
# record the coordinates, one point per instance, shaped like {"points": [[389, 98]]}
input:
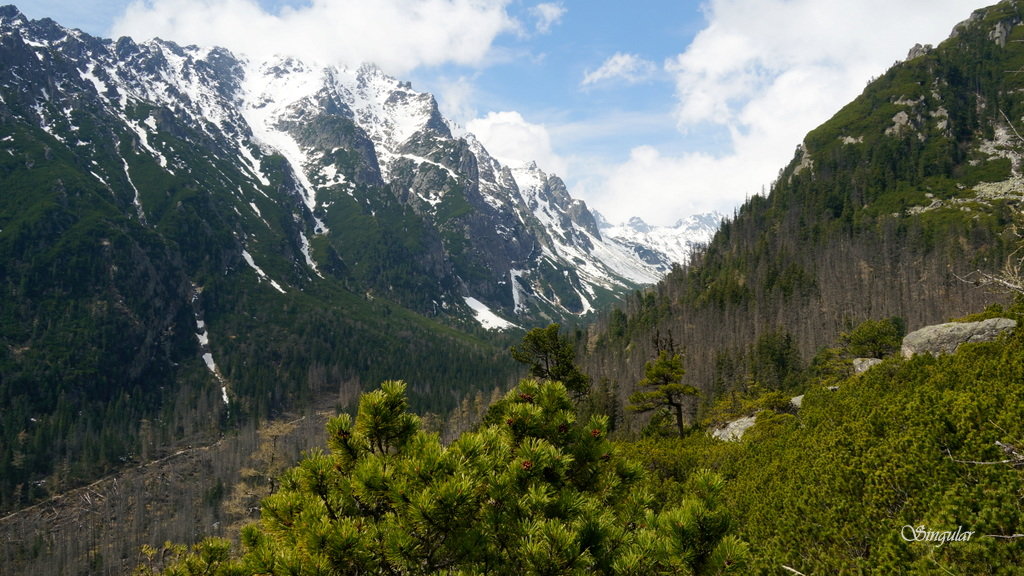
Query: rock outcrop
{"points": [[919, 50], [946, 338], [864, 364], [733, 431]]}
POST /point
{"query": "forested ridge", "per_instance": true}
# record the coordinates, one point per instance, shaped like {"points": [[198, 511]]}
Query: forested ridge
{"points": [[886, 210]]}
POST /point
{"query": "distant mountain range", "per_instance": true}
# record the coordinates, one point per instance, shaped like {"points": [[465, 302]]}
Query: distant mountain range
{"points": [[663, 246]]}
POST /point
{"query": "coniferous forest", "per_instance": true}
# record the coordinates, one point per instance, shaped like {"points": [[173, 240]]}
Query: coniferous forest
{"points": [[755, 412]]}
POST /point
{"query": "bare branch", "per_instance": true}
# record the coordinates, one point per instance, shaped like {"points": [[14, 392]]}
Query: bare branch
{"points": [[1010, 124], [1017, 460], [1008, 279], [943, 568], [985, 279]]}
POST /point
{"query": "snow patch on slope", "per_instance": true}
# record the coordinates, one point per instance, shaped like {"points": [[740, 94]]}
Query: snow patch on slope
{"points": [[486, 317], [270, 90], [143, 134], [260, 272], [203, 336], [135, 199]]}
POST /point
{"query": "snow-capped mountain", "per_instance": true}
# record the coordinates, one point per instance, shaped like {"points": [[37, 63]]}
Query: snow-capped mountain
{"points": [[662, 246], [381, 196]]}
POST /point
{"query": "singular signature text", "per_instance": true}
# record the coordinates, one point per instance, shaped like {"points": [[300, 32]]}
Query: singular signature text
{"points": [[939, 537]]}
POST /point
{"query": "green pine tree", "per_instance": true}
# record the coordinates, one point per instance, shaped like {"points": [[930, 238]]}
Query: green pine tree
{"points": [[532, 491], [552, 356], [662, 388]]}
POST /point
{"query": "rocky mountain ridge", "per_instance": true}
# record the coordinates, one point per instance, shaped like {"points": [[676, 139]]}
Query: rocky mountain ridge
{"points": [[352, 139]]}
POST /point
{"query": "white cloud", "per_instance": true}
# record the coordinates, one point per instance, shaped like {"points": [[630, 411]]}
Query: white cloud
{"points": [[764, 73], [397, 35], [456, 98], [749, 45], [628, 67], [514, 141], [547, 14], [661, 189]]}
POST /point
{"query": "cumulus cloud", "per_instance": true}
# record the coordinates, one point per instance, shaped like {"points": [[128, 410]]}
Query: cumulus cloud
{"points": [[397, 35], [628, 67], [547, 15], [663, 188], [763, 73], [514, 141], [456, 97], [749, 45]]}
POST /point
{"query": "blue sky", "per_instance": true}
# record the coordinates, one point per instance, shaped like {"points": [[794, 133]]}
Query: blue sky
{"points": [[651, 108]]}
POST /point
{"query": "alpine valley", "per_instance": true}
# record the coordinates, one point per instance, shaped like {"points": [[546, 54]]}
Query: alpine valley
{"points": [[204, 258]]}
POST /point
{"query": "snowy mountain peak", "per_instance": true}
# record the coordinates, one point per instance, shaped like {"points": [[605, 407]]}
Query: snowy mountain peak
{"points": [[663, 246], [371, 186], [638, 225], [701, 223], [11, 17]]}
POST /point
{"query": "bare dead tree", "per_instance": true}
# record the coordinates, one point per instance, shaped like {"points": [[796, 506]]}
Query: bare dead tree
{"points": [[1007, 279]]}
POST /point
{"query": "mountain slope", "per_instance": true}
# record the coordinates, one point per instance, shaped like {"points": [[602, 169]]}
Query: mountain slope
{"points": [[884, 208], [909, 467]]}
